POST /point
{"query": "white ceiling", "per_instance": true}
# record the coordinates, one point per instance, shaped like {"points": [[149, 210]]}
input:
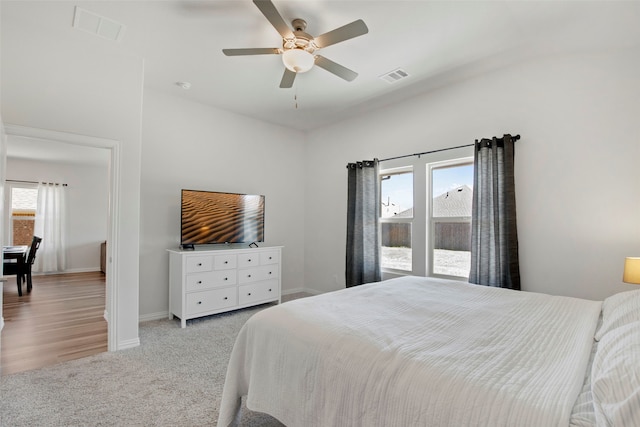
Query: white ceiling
{"points": [[24, 148], [435, 42]]}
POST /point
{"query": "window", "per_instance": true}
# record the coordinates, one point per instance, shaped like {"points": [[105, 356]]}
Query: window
{"points": [[450, 217], [396, 218], [415, 238], [24, 199]]}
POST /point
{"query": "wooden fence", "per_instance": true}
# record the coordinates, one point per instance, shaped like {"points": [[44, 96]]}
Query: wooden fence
{"points": [[453, 236], [396, 235]]}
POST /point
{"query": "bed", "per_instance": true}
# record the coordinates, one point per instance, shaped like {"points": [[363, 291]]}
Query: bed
{"points": [[417, 351]]}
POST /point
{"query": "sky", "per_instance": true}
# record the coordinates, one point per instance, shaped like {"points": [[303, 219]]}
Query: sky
{"points": [[445, 179], [399, 188]]}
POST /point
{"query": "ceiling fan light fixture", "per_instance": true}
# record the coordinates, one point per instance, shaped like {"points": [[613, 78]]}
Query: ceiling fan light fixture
{"points": [[298, 60]]}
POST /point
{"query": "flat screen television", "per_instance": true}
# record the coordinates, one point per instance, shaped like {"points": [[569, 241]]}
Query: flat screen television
{"points": [[209, 217]]}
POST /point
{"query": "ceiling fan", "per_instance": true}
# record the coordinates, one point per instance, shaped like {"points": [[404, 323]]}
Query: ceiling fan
{"points": [[299, 48]]}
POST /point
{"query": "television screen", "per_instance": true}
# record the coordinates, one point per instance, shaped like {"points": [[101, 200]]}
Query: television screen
{"points": [[213, 217]]}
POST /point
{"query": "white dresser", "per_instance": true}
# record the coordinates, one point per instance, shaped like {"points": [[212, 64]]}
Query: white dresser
{"points": [[204, 282]]}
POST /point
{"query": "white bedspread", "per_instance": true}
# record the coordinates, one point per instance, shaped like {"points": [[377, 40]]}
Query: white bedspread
{"points": [[414, 351]]}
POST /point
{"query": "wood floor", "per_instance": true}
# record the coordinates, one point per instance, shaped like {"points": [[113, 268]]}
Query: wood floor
{"points": [[61, 319]]}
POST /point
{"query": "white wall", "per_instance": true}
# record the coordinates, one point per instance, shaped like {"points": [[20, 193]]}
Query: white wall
{"points": [[189, 145], [577, 178], [70, 81], [86, 203]]}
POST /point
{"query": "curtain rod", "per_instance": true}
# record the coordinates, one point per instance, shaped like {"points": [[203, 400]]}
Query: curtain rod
{"points": [[515, 138], [35, 182]]}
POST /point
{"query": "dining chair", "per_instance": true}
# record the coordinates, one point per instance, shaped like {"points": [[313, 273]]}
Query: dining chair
{"points": [[22, 270]]}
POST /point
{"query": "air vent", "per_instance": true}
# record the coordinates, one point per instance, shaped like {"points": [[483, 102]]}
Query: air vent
{"points": [[394, 76], [98, 25]]}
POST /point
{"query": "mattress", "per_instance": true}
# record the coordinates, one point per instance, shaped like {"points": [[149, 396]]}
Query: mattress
{"points": [[414, 351]]}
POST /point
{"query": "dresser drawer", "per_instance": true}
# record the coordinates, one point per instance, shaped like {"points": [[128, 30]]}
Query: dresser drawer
{"points": [[211, 279], [197, 264], [215, 299], [248, 260], [271, 257], [255, 292], [224, 262], [256, 274]]}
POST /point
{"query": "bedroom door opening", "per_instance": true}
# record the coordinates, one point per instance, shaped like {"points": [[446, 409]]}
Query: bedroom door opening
{"points": [[113, 150]]}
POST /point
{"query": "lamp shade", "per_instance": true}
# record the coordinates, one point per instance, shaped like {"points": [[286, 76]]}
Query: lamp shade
{"points": [[631, 270], [298, 60]]}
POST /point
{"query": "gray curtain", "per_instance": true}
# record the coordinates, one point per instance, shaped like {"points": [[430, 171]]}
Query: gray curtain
{"points": [[494, 237], [363, 223]]}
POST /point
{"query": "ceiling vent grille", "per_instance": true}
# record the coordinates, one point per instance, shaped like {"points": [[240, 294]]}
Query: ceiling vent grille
{"points": [[394, 76], [98, 25]]}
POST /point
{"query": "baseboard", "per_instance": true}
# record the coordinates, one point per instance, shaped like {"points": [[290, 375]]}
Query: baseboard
{"points": [[83, 270], [123, 345], [68, 271], [313, 291], [299, 290], [153, 316]]}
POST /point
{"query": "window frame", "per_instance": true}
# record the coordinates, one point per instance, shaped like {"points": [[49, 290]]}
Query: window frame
{"points": [[399, 220], [9, 218], [431, 220]]}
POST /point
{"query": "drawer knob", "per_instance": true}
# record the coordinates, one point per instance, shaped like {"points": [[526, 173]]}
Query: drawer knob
{"points": [[270, 258], [226, 278], [249, 294], [249, 260], [226, 298], [269, 290], [269, 272], [226, 262], [199, 282], [248, 275], [199, 264], [199, 302]]}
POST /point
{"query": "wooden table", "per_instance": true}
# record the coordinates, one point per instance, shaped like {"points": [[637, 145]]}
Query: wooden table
{"points": [[18, 253]]}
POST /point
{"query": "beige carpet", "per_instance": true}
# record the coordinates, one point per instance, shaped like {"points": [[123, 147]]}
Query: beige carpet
{"points": [[174, 378]]}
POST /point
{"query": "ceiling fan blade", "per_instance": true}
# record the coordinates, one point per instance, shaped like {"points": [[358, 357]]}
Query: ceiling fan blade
{"points": [[273, 16], [346, 32], [335, 68], [287, 79], [252, 51]]}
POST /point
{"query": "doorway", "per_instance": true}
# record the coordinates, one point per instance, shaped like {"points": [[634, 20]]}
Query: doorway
{"points": [[111, 267]]}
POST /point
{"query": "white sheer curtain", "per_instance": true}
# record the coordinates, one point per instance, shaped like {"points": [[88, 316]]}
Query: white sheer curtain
{"points": [[50, 226]]}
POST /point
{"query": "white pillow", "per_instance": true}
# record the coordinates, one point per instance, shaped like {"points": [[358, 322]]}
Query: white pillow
{"points": [[615, 381], [618, 310]]}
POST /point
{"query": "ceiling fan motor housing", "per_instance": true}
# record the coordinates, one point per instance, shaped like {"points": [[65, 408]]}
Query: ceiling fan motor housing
{"points": [[300, 39]]}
